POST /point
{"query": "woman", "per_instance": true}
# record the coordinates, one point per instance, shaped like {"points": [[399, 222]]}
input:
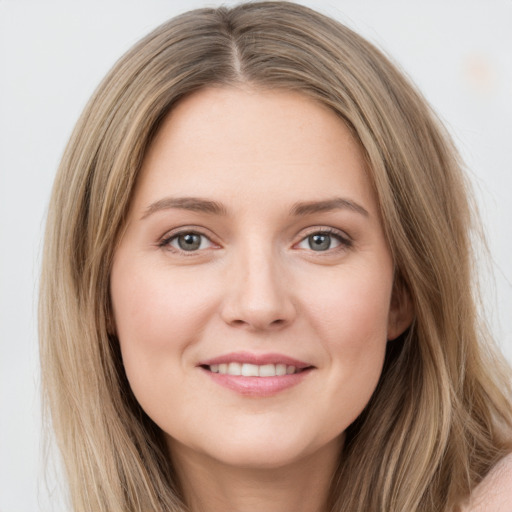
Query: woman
{"points": [[257, 287]]}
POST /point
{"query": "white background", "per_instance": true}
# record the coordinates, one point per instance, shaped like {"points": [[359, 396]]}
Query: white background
{"points": [[53, 54]]}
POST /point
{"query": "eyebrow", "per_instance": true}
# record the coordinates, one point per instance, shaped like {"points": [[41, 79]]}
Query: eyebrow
{"points": [[336, 203], [193, 204], [196, 204]]}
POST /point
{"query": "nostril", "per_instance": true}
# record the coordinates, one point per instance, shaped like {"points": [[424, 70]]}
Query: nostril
{"points": [[279, 322]]}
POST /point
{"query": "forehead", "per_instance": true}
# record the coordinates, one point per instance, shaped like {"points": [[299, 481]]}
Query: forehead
{"points": [[248, 141]]}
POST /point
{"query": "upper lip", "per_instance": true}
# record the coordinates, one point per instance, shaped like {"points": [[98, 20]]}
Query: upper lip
{"points": [[257, 359]]}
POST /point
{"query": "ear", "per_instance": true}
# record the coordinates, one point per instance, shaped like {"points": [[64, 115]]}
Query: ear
{"points": [[401, 311]]}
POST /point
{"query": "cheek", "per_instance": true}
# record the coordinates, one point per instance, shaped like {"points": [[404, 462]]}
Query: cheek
{"points": [[351, 316], [154, 308], [158, 316], [351, 308]]}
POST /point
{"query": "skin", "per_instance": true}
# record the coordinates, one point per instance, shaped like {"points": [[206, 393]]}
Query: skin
{"points": [[255, 284], [494, 493]]}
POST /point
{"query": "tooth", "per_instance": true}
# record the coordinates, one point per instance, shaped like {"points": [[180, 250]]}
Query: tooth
{"points": [[280, 369], [253, 370], [250, 370], [268, 370], [235, 369]]}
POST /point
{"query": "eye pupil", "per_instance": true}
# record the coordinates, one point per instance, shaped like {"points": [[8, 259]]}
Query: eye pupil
{"points": [[319, 242], [189, 241]]}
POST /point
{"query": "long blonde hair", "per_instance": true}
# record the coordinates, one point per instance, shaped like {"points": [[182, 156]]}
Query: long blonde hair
{"points": [[440, 417]]}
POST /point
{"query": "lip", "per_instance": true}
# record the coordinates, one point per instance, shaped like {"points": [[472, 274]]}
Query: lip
{"points": [[257, 386], [258, 359]]}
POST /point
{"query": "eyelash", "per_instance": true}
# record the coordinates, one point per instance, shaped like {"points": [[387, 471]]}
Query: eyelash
{"points": [[165, 243], [344, 241]]}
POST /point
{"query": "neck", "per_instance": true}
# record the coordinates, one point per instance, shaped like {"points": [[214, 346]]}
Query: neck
{"points": [[212, 486]]}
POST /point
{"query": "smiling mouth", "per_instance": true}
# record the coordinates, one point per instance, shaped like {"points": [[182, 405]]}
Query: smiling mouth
{"points": [[253, 370], [256, 375]]}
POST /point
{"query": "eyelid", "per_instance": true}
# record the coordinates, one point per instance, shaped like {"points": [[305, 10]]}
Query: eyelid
{"points": [[165, 240], [345, 240]]}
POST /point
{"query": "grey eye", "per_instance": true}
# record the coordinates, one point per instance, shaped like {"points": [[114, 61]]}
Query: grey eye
{"points": [[319, 241], [322, 241], [188, 241]]}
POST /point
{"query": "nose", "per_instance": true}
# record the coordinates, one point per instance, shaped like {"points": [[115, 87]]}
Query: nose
{"points": [[259, 296]]}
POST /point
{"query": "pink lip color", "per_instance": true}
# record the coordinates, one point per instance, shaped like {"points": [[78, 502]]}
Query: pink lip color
{"points": [[258, 359], [257, 386]]}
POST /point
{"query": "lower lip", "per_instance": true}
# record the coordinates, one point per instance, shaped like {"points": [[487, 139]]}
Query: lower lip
{"points": [[258, 386]]}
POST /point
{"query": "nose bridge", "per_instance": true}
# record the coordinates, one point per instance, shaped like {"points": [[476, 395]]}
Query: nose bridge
{"points": [[257, 294]]}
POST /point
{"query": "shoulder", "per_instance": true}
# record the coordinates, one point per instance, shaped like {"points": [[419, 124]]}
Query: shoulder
{"points": [[494, 493]]}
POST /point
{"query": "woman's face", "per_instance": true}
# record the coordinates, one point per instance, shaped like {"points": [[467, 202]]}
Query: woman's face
{"points": [[252, 289]]}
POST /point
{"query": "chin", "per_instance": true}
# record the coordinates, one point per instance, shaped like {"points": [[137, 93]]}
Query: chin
{"points": [[266, 456], [258, 452]]}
